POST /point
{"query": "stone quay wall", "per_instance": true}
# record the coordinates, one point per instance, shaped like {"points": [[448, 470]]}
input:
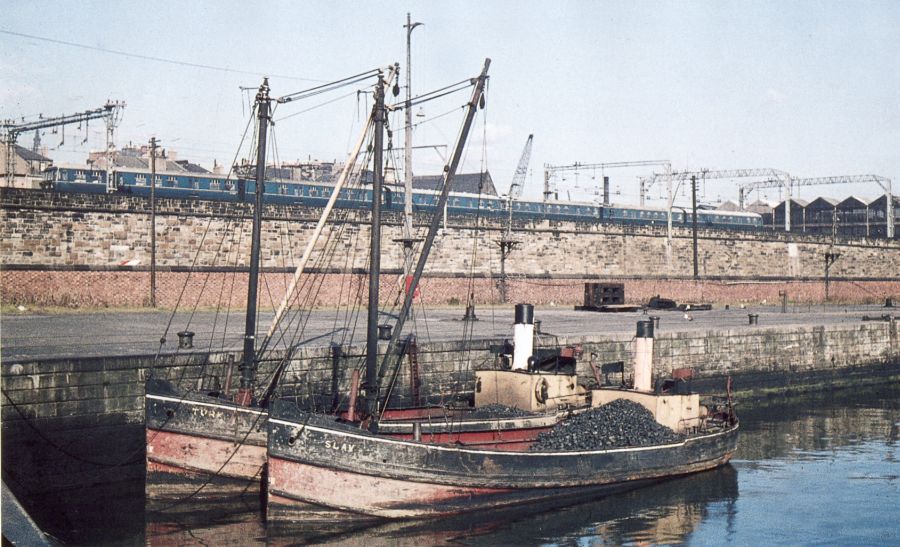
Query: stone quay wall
{"points": [[94, 250], [72, 422]]}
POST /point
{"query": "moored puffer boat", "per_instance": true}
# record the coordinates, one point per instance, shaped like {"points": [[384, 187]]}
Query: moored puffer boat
{"points": [[312, 459], [202, 447]]}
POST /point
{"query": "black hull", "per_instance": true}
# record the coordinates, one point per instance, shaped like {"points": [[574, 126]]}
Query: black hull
{"points": [[205, 449], [393, 478]]}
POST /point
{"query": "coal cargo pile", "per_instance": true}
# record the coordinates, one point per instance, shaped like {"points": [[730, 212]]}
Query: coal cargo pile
{"points": [[497, 411], [617, 424]]}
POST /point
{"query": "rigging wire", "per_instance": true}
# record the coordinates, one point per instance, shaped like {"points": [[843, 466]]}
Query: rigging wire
{"points": [[297, 294], [194, 261], [320, 105], [469, 326], [314, 284], [438, 116], [434, 94], [329, 86], [273, 152]]}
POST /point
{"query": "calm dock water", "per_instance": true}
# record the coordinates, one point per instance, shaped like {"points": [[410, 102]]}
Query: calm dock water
{"points": [[820, 469]]}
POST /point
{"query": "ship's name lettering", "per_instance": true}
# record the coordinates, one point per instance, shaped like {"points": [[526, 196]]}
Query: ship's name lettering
{"points": [[338, 446]]}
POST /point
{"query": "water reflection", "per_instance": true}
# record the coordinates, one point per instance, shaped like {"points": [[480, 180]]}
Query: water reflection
{"points": [[791, 453], [815, 425], [662, 513], [813, 469]]}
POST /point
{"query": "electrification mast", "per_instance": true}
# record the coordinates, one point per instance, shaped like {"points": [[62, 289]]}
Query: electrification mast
{"points": [[111, 112]]}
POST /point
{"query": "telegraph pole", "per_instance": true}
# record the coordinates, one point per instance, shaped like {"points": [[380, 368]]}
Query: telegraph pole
{"points": [[694, 223], [153, 144]]}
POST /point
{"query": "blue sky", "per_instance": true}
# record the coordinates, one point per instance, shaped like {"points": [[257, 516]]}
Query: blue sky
{"points": [[811, 88]]}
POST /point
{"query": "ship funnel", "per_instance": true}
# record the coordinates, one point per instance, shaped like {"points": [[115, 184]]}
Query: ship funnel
{"points": [[643, 356], [523, 336]]}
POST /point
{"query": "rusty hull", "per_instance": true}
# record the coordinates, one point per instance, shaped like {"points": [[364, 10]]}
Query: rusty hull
{"points": [[316, 460], [201, 447]]}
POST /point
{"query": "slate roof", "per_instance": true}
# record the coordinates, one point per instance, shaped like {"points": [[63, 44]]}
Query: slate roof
{"points": [[728, 206], [131, 162], [179, 166], [822, 202], [462, 182], [853, 201], [191, 167], [795, 202], [28, 155]]}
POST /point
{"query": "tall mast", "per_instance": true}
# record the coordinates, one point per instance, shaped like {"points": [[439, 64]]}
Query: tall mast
{"points": [[248, 365], [407, 239], [449, 172], [323, 218], [375, 253]]}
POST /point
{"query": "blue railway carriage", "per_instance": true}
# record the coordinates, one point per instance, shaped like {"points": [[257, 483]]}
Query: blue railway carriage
{"points": [[210, 186], [706, 218]]}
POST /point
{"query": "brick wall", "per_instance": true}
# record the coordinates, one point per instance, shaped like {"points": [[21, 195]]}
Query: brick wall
{"points": [[53, 246]]}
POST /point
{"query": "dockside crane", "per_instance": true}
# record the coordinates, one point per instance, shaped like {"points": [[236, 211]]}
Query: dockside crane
{"points": [[518, 180], [507, 243], [111, 113]]}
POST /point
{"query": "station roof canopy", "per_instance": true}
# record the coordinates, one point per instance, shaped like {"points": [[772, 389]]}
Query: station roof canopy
{"points": [[822, 202], [853, 202], [795, 202]]}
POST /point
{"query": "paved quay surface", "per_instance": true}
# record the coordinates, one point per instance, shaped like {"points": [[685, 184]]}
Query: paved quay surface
{"points": [[28, 335]]}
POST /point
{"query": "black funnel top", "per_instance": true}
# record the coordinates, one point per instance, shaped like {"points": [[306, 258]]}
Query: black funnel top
{"points": [[645, 329], [524, 314]]}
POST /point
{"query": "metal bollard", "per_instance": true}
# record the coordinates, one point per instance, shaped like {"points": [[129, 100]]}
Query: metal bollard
{"points": [[185, 339]]}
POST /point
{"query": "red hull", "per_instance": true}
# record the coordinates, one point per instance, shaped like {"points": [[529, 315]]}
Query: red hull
{"points": [[202, 454], [513, 440], [337, 489], [199, 474]]}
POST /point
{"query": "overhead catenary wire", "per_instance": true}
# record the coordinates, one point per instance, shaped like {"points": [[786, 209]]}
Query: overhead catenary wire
{"points": [[154, 58]]}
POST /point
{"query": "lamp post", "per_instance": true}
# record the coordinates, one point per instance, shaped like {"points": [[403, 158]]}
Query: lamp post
{"points": [[153, 144]]}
